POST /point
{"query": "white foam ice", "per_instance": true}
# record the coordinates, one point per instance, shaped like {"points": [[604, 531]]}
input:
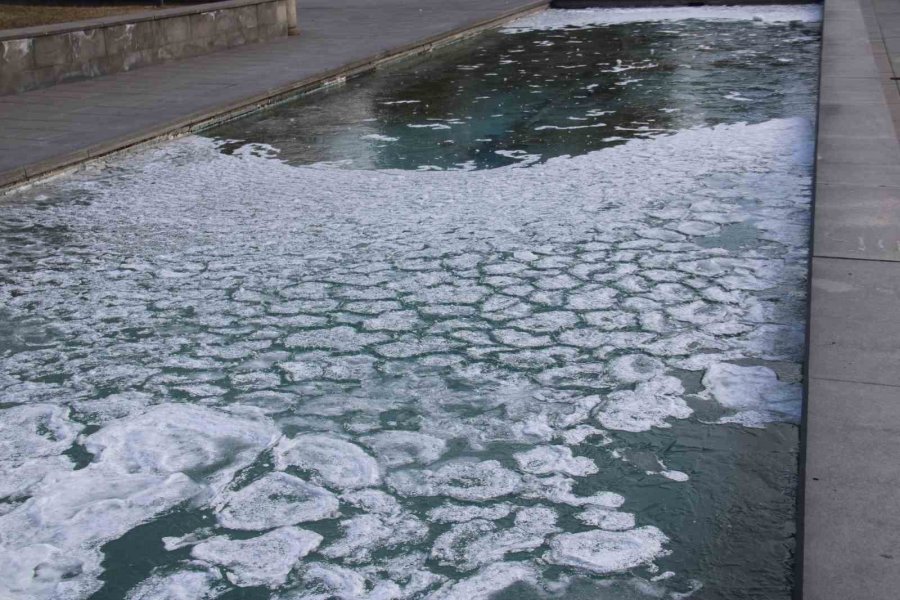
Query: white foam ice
{"points": [[182, 438], [275, 500], [142, 467], [754, 393], [386, 524], [604, 518], [335, 462], [460, 479], [364, 534], [355, 390], [488, 581], [35, 430], [456, 513], [188, 584], [342, 339], [651, 404], [555, 459], [674, 475], [263, 560], [602, 552], [398, 448], [377, 137], [476, 543], [634, 368], [561, 19]]}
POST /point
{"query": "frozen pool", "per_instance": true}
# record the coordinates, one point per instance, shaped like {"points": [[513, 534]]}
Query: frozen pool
{"points": [[522, 318]]}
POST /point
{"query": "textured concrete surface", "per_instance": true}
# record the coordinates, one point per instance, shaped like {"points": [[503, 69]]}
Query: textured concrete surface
{"points": [[36, 57], [851, 497], [48, 129]]}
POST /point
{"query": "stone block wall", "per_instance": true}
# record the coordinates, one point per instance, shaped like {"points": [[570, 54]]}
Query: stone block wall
{"points": [[35, 57]]}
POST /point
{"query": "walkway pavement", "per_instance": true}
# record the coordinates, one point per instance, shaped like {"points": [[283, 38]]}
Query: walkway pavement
{"points": [[44, 130], [851, 529]]}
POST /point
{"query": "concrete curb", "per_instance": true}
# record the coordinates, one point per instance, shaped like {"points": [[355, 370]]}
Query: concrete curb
{"points": [[125, 19], [12, 180]]}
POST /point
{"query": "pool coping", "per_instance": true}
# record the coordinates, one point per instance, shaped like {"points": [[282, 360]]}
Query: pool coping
{"points": [[27, 174], [850, 433]]}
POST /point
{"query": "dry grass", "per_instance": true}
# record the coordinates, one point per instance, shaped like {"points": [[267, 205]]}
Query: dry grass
{"points": [[26, 14]]}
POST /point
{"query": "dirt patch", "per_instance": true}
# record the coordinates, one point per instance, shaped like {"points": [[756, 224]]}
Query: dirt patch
{"points": [[28, 14]]}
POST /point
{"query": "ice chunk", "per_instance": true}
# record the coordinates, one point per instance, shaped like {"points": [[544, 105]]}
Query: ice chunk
{"points": [[607, 551], [476, 543], [604, 518], [191, 439], [649, 405], [335, 462], [461, 479], [33, 430], [264, 560], [455, 513], [488, 581], [180, 585], [397, 448], [555, 459], [754, 392], [633, 368], [275, 500]]}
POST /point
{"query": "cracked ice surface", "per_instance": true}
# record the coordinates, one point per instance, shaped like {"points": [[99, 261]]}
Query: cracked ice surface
{"points": [[323, 382]]}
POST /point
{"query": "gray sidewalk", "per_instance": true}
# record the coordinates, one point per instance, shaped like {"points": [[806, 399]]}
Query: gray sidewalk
{"points": [[44, 130], [851, 540]]}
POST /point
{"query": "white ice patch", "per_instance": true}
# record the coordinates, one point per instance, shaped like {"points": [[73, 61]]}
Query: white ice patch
{"points": [[604, 518], [180, 585], [563, 19], [264, 560], [634, 368], [755, 394], [143, 466], [555, 459], [335, 462], [397, 448], [607, 551], [455, 513], [487, 582], [275, 500], [649, 405], [387, 525], [339, 377], [460, 479], [476, 543], [35, 430], [377, 137]]}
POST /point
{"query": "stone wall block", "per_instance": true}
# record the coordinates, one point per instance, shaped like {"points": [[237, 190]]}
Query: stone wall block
{"points": [[203, 25], [144, 35], [117, 39], [247, 18], [16, 64], [267, 14], [52, 50], [174, 30], [88, 45], [44, 60]]}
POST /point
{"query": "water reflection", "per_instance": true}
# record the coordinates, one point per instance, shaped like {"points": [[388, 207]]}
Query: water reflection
{"points": [[524, 97]]}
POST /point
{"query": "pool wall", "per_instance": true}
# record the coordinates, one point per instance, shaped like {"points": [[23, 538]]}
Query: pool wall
{"points": [[45, 55]]}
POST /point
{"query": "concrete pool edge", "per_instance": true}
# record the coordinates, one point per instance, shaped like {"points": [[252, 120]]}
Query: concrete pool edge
{"points": [[29, 173], [849, 473]]}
